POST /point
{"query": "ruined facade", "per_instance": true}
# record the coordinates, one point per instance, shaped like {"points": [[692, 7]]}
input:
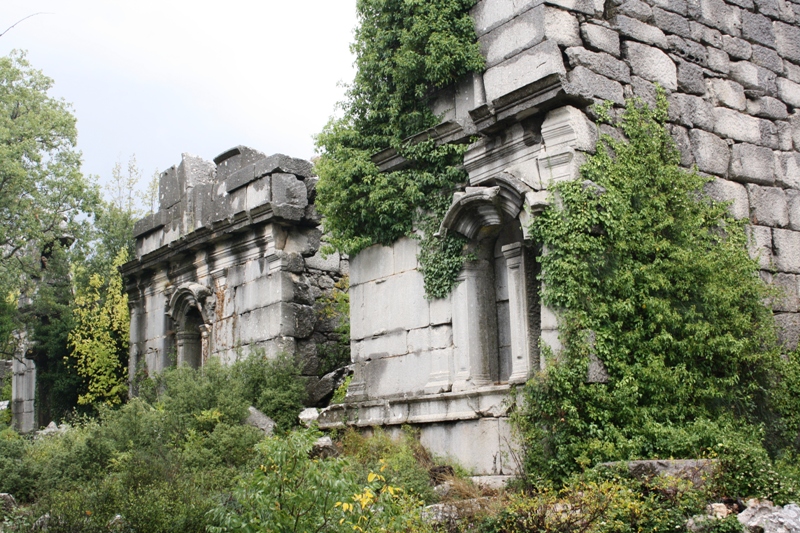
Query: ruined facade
{"points": [[731, 70], [230, 263]]}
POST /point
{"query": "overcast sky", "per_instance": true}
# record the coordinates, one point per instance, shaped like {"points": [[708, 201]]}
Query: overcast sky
{"points": [[158, 78]]}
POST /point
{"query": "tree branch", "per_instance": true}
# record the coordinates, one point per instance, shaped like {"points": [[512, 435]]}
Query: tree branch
{"points": [[24, 18]]}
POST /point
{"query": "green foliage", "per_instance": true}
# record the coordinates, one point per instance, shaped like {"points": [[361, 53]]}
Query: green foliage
{"points": [[405, 51], [652, 278], [99, 340], [291, 491], [43, 195], [402, 460], [336, 306]]}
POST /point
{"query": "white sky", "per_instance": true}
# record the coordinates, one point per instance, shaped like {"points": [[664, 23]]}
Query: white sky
{"points": [[158, 78]]}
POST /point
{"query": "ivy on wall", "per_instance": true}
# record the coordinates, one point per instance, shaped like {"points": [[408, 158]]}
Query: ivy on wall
{"points": [[405, 50], [653, 279]]}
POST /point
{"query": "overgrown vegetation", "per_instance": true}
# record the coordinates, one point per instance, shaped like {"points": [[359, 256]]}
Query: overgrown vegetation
{"points": [[653, 279], [405, 51]]}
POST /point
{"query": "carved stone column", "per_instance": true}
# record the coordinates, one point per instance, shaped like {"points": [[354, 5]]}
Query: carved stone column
{"points": [[474, 325], [518, 307]]}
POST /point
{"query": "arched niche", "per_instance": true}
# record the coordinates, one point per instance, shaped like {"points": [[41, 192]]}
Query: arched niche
{"points": [[192, 326], [496, 309]]}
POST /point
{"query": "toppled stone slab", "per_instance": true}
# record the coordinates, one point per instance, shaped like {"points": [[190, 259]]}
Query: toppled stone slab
{"points": [[259, 420], [762, 516], [308, 416], [694, 470]]}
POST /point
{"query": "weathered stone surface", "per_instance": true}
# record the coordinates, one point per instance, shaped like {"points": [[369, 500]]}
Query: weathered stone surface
{"points": [[767, 518], [636, 9], [788, 335], [706, 35], [767, 107], [691, 79], [753, 164], [757, 28], [787, 169], [791, 71], [753, 77], [730, 191], [671, 22], [652, 64], [676, 6], [728, 93], [711, 153], [259, 420], [760, 245], [718, 60], [591, 84], [768, 206], [601, 39], [491, 13], [717, 14], [589, 7], [691, 111], [767, 58], [640, 31], [696, 471], [599, 62], [688, 49], [793, 205], [512, 37], [681, 137], [786, 250], [523, 69], [776, 9], [794, 121], [787, 299], [737, 126], [737, 48], [787, 41], [789, 92], [561, 27]]}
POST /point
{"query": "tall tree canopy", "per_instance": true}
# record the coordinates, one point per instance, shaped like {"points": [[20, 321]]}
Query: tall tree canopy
{"points": [[42, 191]]}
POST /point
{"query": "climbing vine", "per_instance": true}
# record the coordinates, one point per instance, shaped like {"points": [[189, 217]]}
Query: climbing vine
{"points": [[653, 280], [405, 51]]}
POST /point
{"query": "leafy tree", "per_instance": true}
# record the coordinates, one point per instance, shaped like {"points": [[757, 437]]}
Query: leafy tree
{"points": [[99, 340], [43, 194]]}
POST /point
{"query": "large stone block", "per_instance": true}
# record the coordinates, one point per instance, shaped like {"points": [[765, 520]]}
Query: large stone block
{"points": [[289, 196], [794, 121], [776, 9], [371, 263], [737, 48], [787, 169], [639, 31], [788, 330], [636, 9], [489, 14], [752, 76], [736, 126], [395, 376], [404, 254], [789, 92], [671, 22], [258, 193], [729, 191], [760, 245], [786, 250], [482, 446], [691, 111], [768, 206], [676, 6], [588, 7], [589, 84], [389, 344], [169, 190], [757, 28], [510, 38], [787, 40], [767, 58], [395, 302], [682, 142], [601, 63], [717, 14], [691, 79], [561, 27], [601, 39], [718, 60], [786, 301], [767, 107], [793, 204], [523, 69], [704, 34], [711, 154], [753, 164], [441, 311], [652, 64], [728, 93]]}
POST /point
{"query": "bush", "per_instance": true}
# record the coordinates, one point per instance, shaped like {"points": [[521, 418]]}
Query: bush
{"points": [[653, 279]]}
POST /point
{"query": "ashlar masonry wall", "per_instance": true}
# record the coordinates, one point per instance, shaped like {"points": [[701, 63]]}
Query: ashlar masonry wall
{"points": [[731, 70], [230, 263]]}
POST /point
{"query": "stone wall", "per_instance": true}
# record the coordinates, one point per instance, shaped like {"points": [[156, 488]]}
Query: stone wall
{"points": [[230, 263], [732, 74]]}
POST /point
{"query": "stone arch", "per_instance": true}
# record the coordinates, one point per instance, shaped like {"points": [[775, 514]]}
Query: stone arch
{"points": [[192, 325], [497, 290]]}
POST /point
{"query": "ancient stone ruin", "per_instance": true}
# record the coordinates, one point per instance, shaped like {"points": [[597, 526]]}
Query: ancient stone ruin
{"points": [[231, 260], [230, 263], [732, 73]]}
